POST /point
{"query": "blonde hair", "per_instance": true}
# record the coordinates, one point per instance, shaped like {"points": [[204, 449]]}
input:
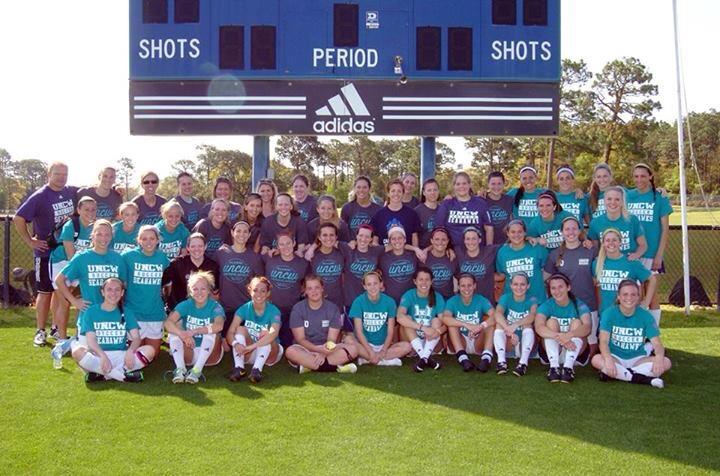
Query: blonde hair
{"points": [[169, 205], [602, 254], [124, 206], [201, 275], [145, 228], [623, 203], [97, 224]]}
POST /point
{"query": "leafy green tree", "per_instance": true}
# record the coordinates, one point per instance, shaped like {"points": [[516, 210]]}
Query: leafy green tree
{"points": [[125, 173]]}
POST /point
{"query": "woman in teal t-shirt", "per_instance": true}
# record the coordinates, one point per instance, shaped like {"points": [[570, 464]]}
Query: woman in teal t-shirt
{"points": [[616, 216], [623, 330], [470, 319], [545, 228], [193, 327], [602, 178], [173, 233], [573, 201], [514, 319], [145, 266], [126, 230], [419, 315], [253, 333], [525, 197], [107, 326], [373, 314], [520, 256], [562, 322]]}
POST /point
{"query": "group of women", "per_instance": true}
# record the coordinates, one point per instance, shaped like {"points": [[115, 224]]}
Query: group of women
{"points": [[488, 274]]}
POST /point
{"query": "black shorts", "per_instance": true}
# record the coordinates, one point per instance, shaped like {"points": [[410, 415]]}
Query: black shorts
{"points": [[42, 275]]}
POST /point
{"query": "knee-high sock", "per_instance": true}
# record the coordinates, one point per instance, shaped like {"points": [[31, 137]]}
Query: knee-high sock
{"points": [[621, 373], [571, 355], [117, 373], [645, 369], [206, 348], [656, 315], [527, 342], [239, 358], [429, 347], [552, 348], [500, 340], [177, 350], [261, 356], [140, 361], [91, 363], [417, 345]]}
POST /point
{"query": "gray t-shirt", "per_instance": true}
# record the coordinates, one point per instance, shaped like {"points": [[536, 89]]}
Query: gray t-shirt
{"points": [[500, 214], [343, 231], [308, 208], [317, 322], [577, 266], [355, 215], [329, 267], [270, 229], [398, 273], [149, 215], [286, 279], [107, 207], [444, 270], [427, 223], [214, 237], [357, 264], [236, 271], [192, 211], [482, 267]]}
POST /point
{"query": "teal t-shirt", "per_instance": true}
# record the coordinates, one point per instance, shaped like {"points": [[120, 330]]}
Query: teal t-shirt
{"points": [[550, 230], [471, 313], [513, 310], [629, 227], [563, 314], [192, 317], [255, 323], [577, 207], [111, 334], [419, 308], [528, 259], [67, 234], [649, 209], [599, 210], [172, 243], [144, 284], [526, 209], [614, 271], [628, 333], [374, 316], [123, 240]]}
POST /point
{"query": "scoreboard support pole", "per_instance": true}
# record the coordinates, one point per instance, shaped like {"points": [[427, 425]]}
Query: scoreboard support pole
{"points": [[427, 158], [261, 159]]}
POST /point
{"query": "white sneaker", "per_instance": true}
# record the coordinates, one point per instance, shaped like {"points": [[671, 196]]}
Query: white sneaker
{"points": [[657, 383], [347, 368], [303, 370], [391, 362], [361, 361], [40, 338]]}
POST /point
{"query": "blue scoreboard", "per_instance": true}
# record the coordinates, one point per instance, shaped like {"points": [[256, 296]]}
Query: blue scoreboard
{"points": [[406, 67]]}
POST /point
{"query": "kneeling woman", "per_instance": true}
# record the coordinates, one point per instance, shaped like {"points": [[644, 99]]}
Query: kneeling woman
{"points": [[373, 314], [623, 330], [193, 327], [419, 315], [107, 326], [467, 326], [316, 324], [254, 332], [562, 321]]}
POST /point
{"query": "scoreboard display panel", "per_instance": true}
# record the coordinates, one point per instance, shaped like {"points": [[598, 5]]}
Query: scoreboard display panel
{"points": [[409, 67]]}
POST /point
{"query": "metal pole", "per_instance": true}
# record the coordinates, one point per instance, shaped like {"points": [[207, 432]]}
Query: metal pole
{"points": [[681, 154], [550, 160], [6, 262], [261, 159], [427, 158]]}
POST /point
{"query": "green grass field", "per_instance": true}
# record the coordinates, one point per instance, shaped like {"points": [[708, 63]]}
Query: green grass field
{"points": [[379, 421], [696, 216]]}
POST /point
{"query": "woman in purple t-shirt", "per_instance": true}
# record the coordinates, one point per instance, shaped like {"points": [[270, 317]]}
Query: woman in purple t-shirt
{"points": [[328, 263], [360, 209], [398, 265], [149, 202], [395, 213], [464, 210], [427, 210]]}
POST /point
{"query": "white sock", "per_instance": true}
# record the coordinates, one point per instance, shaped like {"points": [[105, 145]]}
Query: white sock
{"points": [[206, 348], [391, 362], [527, 341], [239, 358], [137, 363], [571, 355], [656, 315], [177, 350], [91, 363], [486, 355], [552, 349], [261, 357], [621, 373], [429, 347], [417, 345], [499, 340], [645, 369], [118, 373]]}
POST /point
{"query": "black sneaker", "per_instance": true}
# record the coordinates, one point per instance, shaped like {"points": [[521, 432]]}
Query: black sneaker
{"points": [[256, 375], [520, 370], [647, 380], [567, 375], [237, 374], [40, 338], [136, 376], [584, 357], [501, 368], [467, 365], [420, 365], [91, 377], [484, 365], [54, 332], [603, 377], [433, 364], [542, 355], [553, 375]]}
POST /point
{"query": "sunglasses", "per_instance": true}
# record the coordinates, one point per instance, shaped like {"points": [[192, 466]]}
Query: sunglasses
{"points": [[148, 182]]}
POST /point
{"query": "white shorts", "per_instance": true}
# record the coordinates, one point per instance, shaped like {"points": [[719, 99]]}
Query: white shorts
{"points": [[55, 269], [151, 329], [375, 348], [116, 358], [470, 345], [268, 363], [628, 363], [592, 338]]}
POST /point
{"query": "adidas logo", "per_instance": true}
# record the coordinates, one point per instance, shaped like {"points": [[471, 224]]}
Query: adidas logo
{"points": [[347, 103]]}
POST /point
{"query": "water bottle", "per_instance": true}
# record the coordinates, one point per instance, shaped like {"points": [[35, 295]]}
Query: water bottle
{"points": [[57, 354]]}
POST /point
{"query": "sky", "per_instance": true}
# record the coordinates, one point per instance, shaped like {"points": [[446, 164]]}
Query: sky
{"points": [[64, 80]]}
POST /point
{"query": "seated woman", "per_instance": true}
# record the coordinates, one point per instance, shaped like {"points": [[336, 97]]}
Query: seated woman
{"points": [[623, 330], [373, 314], [514, 319], [470, 320], [193, 327], [105, 355], [419, 315], [316, 324], [254, 332], [562, 321]]}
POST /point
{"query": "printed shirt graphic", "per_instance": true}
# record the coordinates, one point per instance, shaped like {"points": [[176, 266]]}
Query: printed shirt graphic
{"points": [[192, 211], [329, 268], [457, 215], [270, 229], [172, 243], [286, 278], [444, 270], [599, 209], [526, 209], [614, 271], [500, 211], [374, 316], [67, 233], [46, 208], [255, 323], [428, 221], [192, 317], [398, 272], [316, 322], [550, 230], [308, 208], [649, 209], [123, 240], [355, 215], [628, 333], [577, 207], [109, 332], [513, 310], [357, 264], [471, 313], [528, 259], [563, 314], [107, 207], [214, 237], [149, 215], [384, 219], [482, 267], [236, 271], [144, 284], [419, 309], [630, 229]]}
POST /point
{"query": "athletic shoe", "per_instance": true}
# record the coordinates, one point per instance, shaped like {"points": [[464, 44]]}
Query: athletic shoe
{"points": [[467, 365], [179, 375], [432, 364], [91, 377], [553, 375], [54, 333], [347, 368], [420, 365], [567, 375], [501, 368], [603, 377], [584, 357], [520, 370], [40, 338], [542, 355], [237, 374], [135, 376], [256, 375], [303, 370], [647, 380], [484, 365], [657, 383], [361, 361], [192, 377], [389, 362]]}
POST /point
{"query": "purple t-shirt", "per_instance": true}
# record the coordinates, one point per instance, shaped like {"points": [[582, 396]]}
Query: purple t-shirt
{"points": [[456, 216], [398, 273], [500, 214], [317, 322], [192, 211], [107, 207], [357, 264], [355, 215], [444, 270], [286, 279], [270, 229], [427, 218], [343, 230], [46, 208], [236, 271], [308, 208], [482, 267], [149, 215], [329, 267], [385, 219], [214, 237]]}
